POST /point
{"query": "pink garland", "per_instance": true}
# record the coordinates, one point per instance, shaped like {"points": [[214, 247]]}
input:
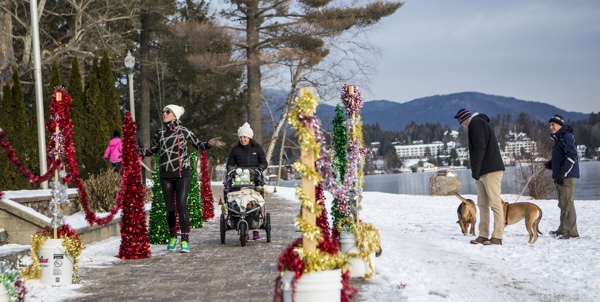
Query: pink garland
{"points": [[352, 102]]}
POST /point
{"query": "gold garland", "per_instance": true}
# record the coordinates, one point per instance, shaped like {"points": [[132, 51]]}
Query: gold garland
{"points": [[361, 143], [367, 240], [74, 248], [321, 261], [318, 261]]}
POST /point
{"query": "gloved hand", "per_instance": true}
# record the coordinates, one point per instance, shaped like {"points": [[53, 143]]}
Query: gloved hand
{"points": [[560, 179], [104, 162], [548, 165], [475, 176], [216, 142]]}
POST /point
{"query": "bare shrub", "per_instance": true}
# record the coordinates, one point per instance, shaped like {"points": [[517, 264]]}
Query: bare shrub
{"points": [[102, 189], [535, 180]]}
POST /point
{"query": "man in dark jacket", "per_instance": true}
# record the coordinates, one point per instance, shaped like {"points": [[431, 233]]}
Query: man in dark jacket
{"points": [[565, 172], [487, 168]]}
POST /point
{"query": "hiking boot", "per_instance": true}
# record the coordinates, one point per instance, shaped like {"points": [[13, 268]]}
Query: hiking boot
{"points": [[479, 240], [185, 247], [172, 244], [556, 233], [255, 235], [567, 236], [493, 241]]}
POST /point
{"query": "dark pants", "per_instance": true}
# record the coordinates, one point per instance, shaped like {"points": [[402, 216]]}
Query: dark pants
{"points": [[116, 166], [566, 203], [177, 188]]}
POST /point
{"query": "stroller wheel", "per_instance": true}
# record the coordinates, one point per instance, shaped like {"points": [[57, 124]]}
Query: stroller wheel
{"points": [[223, 228], [243, 229], [268, 226]]}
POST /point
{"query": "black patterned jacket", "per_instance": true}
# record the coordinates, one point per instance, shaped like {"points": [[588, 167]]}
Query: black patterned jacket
{"points": [[172, 142]]}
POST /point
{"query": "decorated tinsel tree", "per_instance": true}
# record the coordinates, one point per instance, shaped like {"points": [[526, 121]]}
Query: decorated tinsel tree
{"points": [[60, 127], [339, 162], [208, 207], [158, 229], [314, 252], [12, 283], [194, 200], [134, 234]]}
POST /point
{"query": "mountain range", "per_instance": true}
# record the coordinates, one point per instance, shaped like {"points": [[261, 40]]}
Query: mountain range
{"points": [[437, 109]]}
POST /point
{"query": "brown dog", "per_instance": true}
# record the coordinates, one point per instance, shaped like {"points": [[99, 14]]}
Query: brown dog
{"points": [[515, 212], [467, 214]]}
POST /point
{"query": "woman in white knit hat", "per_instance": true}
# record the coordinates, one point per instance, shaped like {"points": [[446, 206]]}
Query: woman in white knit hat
{"points": [[172, 140], [247, 153]]}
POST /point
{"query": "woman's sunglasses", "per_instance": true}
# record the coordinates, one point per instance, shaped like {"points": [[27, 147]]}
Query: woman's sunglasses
{"points": [[167, 111]]}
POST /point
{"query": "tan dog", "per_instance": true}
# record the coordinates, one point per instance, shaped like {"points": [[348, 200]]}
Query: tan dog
{"points": [[467, 214], [515, 212]]}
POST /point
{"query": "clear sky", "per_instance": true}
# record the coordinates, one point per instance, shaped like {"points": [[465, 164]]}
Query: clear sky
{"points": [[535, 50]]}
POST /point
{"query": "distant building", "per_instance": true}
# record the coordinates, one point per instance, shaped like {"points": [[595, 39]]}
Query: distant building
{"points": [[419, 150]]}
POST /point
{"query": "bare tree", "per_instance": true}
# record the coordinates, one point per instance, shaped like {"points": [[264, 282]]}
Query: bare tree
{"points": [[67, 28], [265, 26]]}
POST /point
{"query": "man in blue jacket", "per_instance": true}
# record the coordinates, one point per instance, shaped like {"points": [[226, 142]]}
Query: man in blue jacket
{"points": [[487, 168], [565, 172]]}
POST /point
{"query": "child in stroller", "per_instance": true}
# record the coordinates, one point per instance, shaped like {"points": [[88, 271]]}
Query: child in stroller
{"points": [[244, 206]]}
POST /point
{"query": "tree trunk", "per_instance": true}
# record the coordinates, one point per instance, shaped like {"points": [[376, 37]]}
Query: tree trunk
{"points": [[6, 40], [145, 75], [253, 69]]}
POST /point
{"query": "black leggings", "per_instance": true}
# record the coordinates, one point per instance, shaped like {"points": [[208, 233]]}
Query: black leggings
{"points": [[177, 188]]}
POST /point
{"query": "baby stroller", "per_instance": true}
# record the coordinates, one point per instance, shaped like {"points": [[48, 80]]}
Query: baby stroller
{"points": [[243, 208]]}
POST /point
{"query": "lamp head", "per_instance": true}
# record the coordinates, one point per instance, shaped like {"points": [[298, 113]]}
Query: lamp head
{"points": [[129, 60]]}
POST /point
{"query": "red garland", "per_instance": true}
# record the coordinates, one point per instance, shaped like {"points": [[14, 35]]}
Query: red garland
{"points": [[65, 230], [289, 260], [60, 111], [10, 153], [135, 243], [208, 207]]}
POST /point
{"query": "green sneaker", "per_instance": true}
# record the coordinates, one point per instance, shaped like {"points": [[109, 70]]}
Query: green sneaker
{"points": [[172, 244], [185, 247]]}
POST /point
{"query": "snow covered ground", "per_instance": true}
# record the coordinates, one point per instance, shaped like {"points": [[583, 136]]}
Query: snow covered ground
{"points": [[426, 257]]}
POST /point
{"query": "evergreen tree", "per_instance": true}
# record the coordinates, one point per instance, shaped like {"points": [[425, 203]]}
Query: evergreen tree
{"points": [[97, 136], [109, 97], [18, 136], [79, 116], [9, 172]]}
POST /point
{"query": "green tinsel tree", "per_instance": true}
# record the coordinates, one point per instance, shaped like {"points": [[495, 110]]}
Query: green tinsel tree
{"points": [[194, 198], [158, 229], [340, 161]]}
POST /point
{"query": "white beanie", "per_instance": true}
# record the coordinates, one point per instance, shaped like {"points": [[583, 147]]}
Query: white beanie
{"points": [[177, 110], [245, 130]]}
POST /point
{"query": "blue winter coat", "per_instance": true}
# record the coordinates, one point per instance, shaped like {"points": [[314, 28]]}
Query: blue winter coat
{"points": [[564, 160]]}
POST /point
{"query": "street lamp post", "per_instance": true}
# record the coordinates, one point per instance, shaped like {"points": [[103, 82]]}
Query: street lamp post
{"points": [[129, 63]]}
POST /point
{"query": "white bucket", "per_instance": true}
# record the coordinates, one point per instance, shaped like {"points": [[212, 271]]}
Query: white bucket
{"points": [[3, 294], [358, 266], [322, 286], [56, 266]]}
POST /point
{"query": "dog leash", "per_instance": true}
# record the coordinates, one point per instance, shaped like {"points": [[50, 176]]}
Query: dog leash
{"points": [[527, 183]]}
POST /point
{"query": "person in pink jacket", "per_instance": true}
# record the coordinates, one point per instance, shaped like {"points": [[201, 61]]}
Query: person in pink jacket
{"points": [[114, 150]]}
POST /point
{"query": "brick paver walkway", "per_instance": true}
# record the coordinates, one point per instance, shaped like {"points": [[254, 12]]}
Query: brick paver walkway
{"points": [[211, 272]]}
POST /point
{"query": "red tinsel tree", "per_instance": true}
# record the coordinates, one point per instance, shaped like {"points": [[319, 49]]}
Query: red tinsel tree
{"points": [[208, 207], [134, 234]]}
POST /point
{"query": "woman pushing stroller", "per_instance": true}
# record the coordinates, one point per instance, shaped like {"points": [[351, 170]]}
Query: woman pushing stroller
{"points": [[248, 153]]}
